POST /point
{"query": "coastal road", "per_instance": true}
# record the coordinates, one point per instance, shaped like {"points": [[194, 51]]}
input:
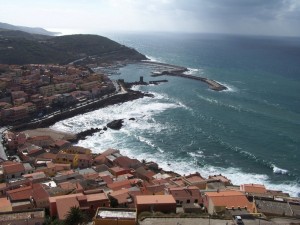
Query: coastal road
{"points": [[2, 152]]}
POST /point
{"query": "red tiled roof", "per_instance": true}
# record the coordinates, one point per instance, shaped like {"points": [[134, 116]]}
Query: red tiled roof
{"points": [[13, 168], [96, 197], [39, 192], [121, 195], [64, 205], [253, 188], [22, 193], [154, 199], [229, 199], [122, 184]]}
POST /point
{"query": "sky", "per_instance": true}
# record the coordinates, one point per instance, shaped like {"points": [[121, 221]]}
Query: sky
{"points": [[255, 17]]}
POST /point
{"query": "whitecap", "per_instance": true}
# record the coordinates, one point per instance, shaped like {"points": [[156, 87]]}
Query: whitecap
{"points": [[278, 170]]}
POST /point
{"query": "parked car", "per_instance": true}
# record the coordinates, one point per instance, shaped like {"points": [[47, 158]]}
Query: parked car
{"points": [[238, 220]]}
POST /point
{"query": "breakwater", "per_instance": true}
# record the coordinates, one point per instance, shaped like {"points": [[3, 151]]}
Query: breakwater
{"points": [[178, 71]]}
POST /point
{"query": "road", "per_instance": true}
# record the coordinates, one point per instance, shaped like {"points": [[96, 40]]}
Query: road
{"points": [[2, 152]]}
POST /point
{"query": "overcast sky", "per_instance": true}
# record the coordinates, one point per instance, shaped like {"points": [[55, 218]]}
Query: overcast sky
{"points": [[267, 17]]}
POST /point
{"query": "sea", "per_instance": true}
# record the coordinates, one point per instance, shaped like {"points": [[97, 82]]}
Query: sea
{"points": [[249, 133]]}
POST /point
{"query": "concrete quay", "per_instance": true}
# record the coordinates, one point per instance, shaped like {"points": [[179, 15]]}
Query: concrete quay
{"points": [[178, 71]]}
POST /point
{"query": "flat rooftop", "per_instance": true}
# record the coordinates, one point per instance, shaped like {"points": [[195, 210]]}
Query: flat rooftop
{"points": [[116, 214]]}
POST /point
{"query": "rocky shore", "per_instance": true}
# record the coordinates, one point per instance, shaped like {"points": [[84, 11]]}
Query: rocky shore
{"points": [[114, 99]]}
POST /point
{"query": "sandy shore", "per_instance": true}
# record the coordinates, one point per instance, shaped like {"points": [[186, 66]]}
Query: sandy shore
{"points": [[56, 135]]}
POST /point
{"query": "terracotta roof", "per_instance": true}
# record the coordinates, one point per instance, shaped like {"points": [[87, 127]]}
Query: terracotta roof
{"points": [[96, 197], [109, 152], [84, 156], [229, 199], [107, 179], [121, 195], [253, 188], [47, 155], [194, 178], [5, 205], [154, 199], [55, 198], [39, 192], [185, 191], [64, 205], [152, 189], [13, 168], [126, 162], [122, 184], [22, 193]]}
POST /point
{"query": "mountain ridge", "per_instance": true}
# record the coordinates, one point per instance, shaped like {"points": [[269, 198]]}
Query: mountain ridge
{"points": [[19, 47]]}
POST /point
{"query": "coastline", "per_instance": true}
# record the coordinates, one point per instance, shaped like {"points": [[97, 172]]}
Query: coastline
{"points": [[111, 100]]}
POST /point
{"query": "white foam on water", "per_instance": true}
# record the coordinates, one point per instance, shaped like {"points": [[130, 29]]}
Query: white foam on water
{"points": [[278, 170], [230, 88], [152, 59]]}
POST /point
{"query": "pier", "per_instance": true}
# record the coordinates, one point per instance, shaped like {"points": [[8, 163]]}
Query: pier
{"points": [[178, 71]]}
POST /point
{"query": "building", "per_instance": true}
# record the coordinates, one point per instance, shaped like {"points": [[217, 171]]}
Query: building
{"points": [[185, 195], [72, 159], [219, 201], [13, 170], [155, 203], [110, 216], [253, 188], [28, 217], [60, 205]]}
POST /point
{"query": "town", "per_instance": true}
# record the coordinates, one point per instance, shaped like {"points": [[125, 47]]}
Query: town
{"points": [[46, 176]]}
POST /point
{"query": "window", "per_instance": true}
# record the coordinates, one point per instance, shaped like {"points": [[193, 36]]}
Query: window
{"points": [[188, 201], [196, 201]]}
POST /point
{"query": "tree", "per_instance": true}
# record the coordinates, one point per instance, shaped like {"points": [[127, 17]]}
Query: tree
{"points": [[76, 217]]}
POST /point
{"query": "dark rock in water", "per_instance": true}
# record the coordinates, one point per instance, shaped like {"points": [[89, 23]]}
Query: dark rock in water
{"points": [[132, 119], [82, 135], [105, 128], [116, 124]]}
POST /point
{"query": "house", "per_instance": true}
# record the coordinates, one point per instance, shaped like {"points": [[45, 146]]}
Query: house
{"points": [[72, 159], [77, 150], [121, 199], [217, 202], [13, 170], [123, 184], [60, 205], [42, 141], [84, 161], [185, 195], [196, 180], [40, 196], [36, 177], [28, 217], [155, 203], [126, 162], [14, 114], [5, 205], [101, 159], [253, 188], [115, 216], [144, 174], [221, 178], [117, 171]]}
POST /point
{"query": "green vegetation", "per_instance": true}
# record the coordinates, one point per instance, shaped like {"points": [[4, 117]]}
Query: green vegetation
{"points": [[75, 217], [17, 47]]}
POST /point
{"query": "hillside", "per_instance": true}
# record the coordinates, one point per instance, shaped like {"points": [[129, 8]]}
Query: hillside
{"points": [[32, 30], [17, 47]]}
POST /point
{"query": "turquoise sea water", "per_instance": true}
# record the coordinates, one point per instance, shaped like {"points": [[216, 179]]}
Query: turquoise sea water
{"points": [[250, 133]]}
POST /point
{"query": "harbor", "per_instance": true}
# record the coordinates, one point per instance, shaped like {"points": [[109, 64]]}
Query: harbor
{"points": [[161, 69]]}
